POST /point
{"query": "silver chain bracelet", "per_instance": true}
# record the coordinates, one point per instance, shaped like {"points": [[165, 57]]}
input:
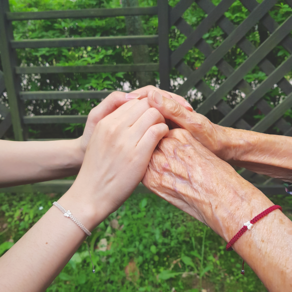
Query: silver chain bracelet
{"points": [[68, 214]]}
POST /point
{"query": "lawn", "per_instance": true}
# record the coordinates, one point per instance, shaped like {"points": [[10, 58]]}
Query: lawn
{"points": [[146, 245]]}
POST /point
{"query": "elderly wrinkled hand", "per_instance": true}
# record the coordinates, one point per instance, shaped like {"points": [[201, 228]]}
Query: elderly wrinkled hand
{"points": [[212, 136], [186, 174]]}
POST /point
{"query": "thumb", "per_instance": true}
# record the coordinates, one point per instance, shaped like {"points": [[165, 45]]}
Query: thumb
{"points": [[172, 110]]}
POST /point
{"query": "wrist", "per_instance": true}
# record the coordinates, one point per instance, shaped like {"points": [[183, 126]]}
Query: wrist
{"points": [[226, 142], [77, 153], [240, 205], [235, 144], [88, 210]]}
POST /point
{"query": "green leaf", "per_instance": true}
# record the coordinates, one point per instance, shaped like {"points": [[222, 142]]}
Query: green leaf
{"points": [[195, 253], [65, 277], [143, 203], [203, 272], [187, 261], [76, 258], [5, 246], [81, 278], [165, 275], [153, 249]]}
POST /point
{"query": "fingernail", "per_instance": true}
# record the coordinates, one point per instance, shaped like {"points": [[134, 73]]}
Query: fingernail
{"points": [[157, 97], [188, 105], [132, 95]]}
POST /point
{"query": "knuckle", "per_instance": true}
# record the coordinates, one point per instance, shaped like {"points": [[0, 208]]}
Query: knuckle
{"points": [[113, 94], [150, 87], [153, 113], [91, 114], [197, 125], [174, 108], [111, 130], [104, 125], [155, 132]]}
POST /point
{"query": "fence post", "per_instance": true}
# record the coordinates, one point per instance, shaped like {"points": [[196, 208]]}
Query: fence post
{"points": [[164, 51], [9, 62]]}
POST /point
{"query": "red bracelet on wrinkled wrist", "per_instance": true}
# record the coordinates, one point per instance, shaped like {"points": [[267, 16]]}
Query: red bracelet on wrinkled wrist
{"points": [[247, 226]]}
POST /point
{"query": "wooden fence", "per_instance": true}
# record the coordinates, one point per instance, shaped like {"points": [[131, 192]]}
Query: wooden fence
{"points": [[168, 17], [4, 111]]}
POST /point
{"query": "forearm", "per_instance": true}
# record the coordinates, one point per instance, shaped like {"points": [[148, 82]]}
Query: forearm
{"points": [[29, 162], [262, 153], [40, 255], [267, 246], [189, 176]]}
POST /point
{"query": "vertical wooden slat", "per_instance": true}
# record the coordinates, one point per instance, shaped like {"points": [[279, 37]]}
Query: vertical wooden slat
{"points": [[164, 52], [5, 125], [9, 62], [2, 83]]}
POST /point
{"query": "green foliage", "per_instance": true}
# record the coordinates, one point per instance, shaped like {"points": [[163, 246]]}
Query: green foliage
{"points": [[115, 26], [146, 245]]}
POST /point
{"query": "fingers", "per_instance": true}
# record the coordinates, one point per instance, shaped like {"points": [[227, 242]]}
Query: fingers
{"points": [[151, 138], [182, 101], [149, 118], [130, 112], [106, 107], [109, 105], [173, 111], [182, 135], [145, 91]]}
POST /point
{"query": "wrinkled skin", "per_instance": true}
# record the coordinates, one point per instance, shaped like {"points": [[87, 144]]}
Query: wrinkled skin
{"points": [[188, 175], [265, 154]]}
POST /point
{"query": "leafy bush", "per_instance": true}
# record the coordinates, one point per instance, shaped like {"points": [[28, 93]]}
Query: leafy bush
{"points": [[69, 28]]}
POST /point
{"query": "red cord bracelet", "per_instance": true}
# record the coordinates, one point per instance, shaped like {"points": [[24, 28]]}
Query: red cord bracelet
{"points": [[247, 226]]}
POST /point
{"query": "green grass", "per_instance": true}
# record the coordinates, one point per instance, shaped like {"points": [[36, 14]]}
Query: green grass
{"points": [[147, 245]]}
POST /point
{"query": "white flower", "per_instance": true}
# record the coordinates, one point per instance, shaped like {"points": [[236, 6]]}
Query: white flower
{"points": [[41, 208]]}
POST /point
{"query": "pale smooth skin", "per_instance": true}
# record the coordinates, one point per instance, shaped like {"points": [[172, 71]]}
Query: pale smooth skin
{"points": [[262, 153], [30, 162], [121, 138], [115, 162], [186, 174]]}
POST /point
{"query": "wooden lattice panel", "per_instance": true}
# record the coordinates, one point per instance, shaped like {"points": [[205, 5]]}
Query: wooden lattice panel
{"points": [[256, 56]]}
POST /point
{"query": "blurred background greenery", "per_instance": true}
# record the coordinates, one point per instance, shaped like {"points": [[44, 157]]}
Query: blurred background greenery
{"points": [[117, 26], [147, 245]]}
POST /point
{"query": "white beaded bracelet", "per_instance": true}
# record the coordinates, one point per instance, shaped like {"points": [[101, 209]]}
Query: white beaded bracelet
{"points": [[68, 214]]}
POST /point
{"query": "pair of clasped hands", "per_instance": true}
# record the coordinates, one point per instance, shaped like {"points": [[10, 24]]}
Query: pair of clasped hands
{"points": [[152, 136], [127, 140], [121, 140], [189, 165]]}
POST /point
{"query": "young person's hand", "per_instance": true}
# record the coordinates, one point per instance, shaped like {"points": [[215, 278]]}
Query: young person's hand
{"points": [[116, 158], [115, 162], [115, 100]]}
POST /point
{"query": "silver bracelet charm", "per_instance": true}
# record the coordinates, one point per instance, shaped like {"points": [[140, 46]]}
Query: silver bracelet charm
{"points": [[68, 214]]}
